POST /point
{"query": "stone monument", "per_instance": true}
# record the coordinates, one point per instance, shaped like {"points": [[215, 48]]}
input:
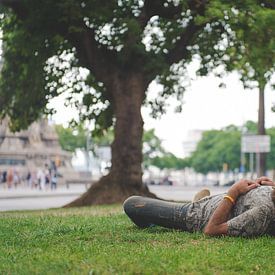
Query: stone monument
{"points": [[32, 149]]}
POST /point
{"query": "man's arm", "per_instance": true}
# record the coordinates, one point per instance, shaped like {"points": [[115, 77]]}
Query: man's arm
{"points": [[253, 222], [217, 224]]}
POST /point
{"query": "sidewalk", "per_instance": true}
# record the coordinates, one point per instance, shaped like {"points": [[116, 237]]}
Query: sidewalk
{"points": [[24, 192]]}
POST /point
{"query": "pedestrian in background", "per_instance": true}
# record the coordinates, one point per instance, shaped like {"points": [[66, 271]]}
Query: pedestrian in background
{"points": [[10, 178], [54, 180], [41, 177]]}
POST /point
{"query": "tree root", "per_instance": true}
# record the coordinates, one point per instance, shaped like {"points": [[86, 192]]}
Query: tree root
{"points": [[108, 191]]}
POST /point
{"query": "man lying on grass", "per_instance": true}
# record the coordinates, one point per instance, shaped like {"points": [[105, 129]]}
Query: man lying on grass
{"points": [[248, 209]]}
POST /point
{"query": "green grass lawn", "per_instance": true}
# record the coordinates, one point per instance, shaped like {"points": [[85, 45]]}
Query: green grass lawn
{"points": [[101, 240]]}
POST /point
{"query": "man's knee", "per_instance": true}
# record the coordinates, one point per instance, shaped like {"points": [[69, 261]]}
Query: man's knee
{"points": [[133, 207], [129, 205]]}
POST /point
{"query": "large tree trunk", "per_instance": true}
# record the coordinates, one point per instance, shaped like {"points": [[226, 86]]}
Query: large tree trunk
{"points": [[125, 177], [261, 166]]}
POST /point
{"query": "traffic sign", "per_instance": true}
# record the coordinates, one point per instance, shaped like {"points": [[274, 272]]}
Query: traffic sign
{"points": [[255, 144]]}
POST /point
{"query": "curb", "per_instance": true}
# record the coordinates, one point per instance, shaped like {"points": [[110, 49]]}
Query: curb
{"points": [[34, 196]]}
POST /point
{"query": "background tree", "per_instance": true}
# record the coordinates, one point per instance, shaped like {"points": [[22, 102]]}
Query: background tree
{"points": [[169, 161], [77, 137], [216, 148], [271, 154], [154, 154], [256, 63], [259, 43], [123, 46], [71, 139], [223, 146], [250, 127], [152, 147]]}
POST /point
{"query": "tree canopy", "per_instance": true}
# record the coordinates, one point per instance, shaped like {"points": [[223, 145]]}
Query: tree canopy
{"points": [[47, 45], [169, 161], [216, 148], [256, 64], [71, 139]]}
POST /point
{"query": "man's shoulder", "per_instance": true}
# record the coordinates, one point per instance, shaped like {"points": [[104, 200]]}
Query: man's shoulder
{"points": [[256, 197], [263, 192]]}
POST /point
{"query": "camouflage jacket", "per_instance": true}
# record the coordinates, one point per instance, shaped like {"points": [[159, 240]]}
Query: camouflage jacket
{"points": [[252, 215]]}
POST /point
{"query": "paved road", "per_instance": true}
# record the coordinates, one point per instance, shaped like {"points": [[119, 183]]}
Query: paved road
{"points": [[29, 199], [25, 199], [34, 203]]}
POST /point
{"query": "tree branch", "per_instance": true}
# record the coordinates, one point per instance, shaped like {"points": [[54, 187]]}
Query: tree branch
{"points": [[179, 51], [156, 7], [92, 55], [269, 4], [16, 6], [197, 6]]}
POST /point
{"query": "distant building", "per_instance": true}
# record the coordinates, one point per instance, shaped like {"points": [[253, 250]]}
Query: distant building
{"points": [[32, 149], [191, 141]]}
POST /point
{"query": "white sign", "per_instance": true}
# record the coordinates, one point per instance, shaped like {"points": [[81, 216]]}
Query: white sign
{"points": [[255, 144]]}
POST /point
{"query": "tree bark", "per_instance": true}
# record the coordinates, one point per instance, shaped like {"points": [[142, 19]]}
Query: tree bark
{"points": [[127, 145], [125, 177], [261, 131]]}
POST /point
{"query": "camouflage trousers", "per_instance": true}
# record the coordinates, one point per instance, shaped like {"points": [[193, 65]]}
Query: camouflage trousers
{"points": [[146, 212]]}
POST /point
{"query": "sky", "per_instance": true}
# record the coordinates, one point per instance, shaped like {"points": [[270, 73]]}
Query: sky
{"points": [[206, 106]]}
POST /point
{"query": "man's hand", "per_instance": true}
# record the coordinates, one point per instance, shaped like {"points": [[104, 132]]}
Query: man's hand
{"points": [[242, 187], [265, 181]]}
